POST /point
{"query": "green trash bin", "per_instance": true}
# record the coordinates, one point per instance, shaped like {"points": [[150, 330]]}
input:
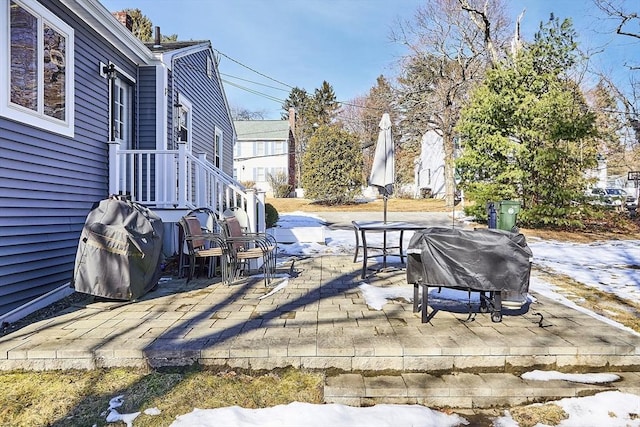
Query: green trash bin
{"points": [[507, 214]]}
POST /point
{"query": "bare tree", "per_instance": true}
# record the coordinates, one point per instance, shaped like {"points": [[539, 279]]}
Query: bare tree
{"points": [[452, 43], [241, 113], [630, 113], [626, 18], [627, 25]]}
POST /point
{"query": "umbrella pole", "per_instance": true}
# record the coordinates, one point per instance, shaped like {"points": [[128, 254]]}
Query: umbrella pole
{"points": [[384, 233]]}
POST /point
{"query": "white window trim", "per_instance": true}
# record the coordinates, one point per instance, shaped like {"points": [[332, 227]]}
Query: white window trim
{"points": [[24, 115], [278, 148], [219, 134], [189, 107], [260, 149], [209, 67]]}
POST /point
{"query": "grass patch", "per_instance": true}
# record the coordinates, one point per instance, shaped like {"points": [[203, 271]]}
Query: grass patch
{"points": [[617, 228], [528, 416], [608, 305], [81, 398], [284, 205]]}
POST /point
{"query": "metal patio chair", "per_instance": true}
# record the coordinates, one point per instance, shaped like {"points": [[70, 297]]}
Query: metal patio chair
{"points": [[244, 247], [203, 245]]}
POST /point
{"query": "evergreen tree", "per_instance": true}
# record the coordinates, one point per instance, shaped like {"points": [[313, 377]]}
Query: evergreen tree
{"points": [[142, 27], [298, 99], [324, 105], [527, 133], [311, 113], [332, 170]]}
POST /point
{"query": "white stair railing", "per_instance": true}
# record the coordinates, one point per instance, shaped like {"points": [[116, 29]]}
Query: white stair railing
{"points": [[177, 179]]}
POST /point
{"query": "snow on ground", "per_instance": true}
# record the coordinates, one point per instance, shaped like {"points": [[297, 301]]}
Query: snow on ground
{"points": [[609, 408], [298, 414], [611, 266]]}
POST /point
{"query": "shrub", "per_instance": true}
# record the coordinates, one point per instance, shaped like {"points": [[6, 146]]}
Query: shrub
{"points": [[271, 215], [332, 166], [279, 184]]}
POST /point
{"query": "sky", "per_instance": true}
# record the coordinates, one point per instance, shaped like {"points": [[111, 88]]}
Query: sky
{"points": [[610, 266], [281, 44]]}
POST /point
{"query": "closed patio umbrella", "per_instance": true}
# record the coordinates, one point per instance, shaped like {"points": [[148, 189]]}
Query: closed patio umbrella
{"points": [[383, 171]]}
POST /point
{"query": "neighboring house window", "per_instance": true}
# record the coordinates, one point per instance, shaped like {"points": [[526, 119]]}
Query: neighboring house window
{"points": [[37, 64], [260, 174], [278, 147], [259, 148], [238, 149], [217, 147]]}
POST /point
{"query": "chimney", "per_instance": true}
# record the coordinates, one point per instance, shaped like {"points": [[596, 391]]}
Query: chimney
{"points": [[292, 119], [124, 18], [156, 42]]}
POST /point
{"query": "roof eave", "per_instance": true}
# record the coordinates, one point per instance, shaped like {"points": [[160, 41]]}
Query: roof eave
{"points": [[168, 55], [101, 20]]}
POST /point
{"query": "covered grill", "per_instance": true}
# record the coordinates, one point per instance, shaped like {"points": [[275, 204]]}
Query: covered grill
{"points": [[493, 262], [119, 251]]}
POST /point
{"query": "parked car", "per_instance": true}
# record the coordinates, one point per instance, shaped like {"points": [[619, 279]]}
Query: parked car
{"points": [[615, 198]]}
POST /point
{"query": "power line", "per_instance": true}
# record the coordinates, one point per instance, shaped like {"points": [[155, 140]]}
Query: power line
{"points": [[254, 82], [251, 69], [272, 98], [255, 92]]}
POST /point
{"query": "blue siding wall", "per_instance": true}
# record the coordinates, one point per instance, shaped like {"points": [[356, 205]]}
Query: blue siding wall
{"points": [[147, 108], [49, 182], [209, 109]]}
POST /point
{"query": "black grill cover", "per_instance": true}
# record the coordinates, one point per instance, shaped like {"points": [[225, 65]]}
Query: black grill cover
{"points": [[119, 251], [479, 260]]}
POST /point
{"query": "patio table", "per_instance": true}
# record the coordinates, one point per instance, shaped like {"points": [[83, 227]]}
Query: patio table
{"points": [[362, 227]]}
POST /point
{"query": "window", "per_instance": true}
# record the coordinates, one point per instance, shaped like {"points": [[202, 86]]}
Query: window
{"points": [[217, 147], [278, 147], [37, 64], [209, 67], [259, 148], [122, 113], [183, 125], [260, 175]]}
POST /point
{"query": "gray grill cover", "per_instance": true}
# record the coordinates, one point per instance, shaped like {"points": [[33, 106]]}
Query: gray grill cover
{"points": [[479, 260], [119, 251]]}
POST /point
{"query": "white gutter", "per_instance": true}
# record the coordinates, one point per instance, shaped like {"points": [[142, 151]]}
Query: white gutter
{"points": [[36, 304], [168, 57]]}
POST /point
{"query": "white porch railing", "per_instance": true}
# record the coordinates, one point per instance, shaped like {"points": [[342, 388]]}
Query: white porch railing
{"points": [[176, 179]]}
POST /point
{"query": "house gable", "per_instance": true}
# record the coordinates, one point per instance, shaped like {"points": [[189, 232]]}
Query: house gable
{"points": [[193, 77]]}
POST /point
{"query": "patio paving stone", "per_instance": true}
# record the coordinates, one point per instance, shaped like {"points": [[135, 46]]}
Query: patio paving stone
{"points": [[321, 321]]}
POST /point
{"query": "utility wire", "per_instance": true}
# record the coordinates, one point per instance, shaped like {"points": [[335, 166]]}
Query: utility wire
{"points": [[255, 92], [254, 82], [251, 69], [272, 98]]}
